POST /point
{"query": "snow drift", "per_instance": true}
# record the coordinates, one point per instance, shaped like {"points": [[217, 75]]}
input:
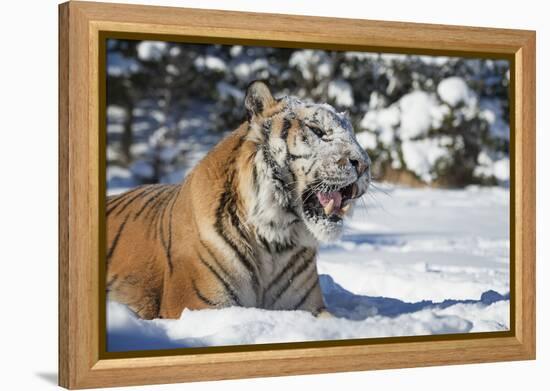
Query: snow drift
{"points": [[416, 262]]}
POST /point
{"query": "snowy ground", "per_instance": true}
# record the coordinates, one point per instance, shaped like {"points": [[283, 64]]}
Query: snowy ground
{"points": [[413, 262]]}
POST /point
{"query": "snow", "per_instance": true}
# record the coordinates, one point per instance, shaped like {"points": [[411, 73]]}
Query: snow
{"points": [[140, 149], [417, 244], [394, 57], [454, 90], [118, 65], [212, 63], [383, 121], [311, 63], [116, 113], [414, 262], [157, 115], [156, 138], [416, 114], [493, 167], [412, 116], [366, 139], [435, 60], [362, 55], [246, 69], [412, 121], [172, 70], [237, 326], [420, 156], [438, 114], [236, 50], [502, 169], [151, 50], [115, 129], [174, 51], [341, 92], [140, 127], [117, 172]]}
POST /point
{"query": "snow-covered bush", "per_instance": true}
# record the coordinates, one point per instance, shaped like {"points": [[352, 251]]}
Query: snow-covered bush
{"points": [[439, 120], [446, 133]]}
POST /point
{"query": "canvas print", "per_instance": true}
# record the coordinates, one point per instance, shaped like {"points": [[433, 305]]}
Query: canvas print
{"points": [[260, 195]]}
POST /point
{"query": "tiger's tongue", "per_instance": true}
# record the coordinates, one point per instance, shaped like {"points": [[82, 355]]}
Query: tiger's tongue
{"points": [[325, 198]]}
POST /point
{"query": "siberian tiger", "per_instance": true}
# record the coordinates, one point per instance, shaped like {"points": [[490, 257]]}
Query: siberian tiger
{"points": [[244, 226]]}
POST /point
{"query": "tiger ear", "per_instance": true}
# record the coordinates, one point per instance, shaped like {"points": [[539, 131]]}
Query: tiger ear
{"points": [[258, 98]]}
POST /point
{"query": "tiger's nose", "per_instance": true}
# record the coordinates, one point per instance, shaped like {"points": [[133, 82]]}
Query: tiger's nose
{"points": [[360, 166]]}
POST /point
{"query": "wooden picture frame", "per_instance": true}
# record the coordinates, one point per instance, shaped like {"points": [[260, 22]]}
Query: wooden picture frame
{"points": [[82, 363]]}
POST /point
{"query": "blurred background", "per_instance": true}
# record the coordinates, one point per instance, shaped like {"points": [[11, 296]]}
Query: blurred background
{"points": [[424, 120]]}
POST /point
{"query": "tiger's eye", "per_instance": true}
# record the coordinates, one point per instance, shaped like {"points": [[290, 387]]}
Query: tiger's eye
{"points": [[318, 132]]}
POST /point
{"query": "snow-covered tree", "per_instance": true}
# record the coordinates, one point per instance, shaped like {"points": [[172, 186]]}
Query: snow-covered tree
{"points": [[424, 120]]}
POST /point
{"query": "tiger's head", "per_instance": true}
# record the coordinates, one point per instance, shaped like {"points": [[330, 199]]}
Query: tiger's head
{"points": [[309, 151]]}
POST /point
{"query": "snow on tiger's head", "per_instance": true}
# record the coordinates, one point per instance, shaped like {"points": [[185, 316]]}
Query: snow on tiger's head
{"points": [[310, 153]]}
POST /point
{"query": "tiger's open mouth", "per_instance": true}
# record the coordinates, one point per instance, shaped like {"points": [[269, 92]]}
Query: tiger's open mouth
{"points": [[331, 203]]}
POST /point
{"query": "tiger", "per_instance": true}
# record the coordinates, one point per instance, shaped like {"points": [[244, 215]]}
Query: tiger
{"points": [[244, 227]]}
